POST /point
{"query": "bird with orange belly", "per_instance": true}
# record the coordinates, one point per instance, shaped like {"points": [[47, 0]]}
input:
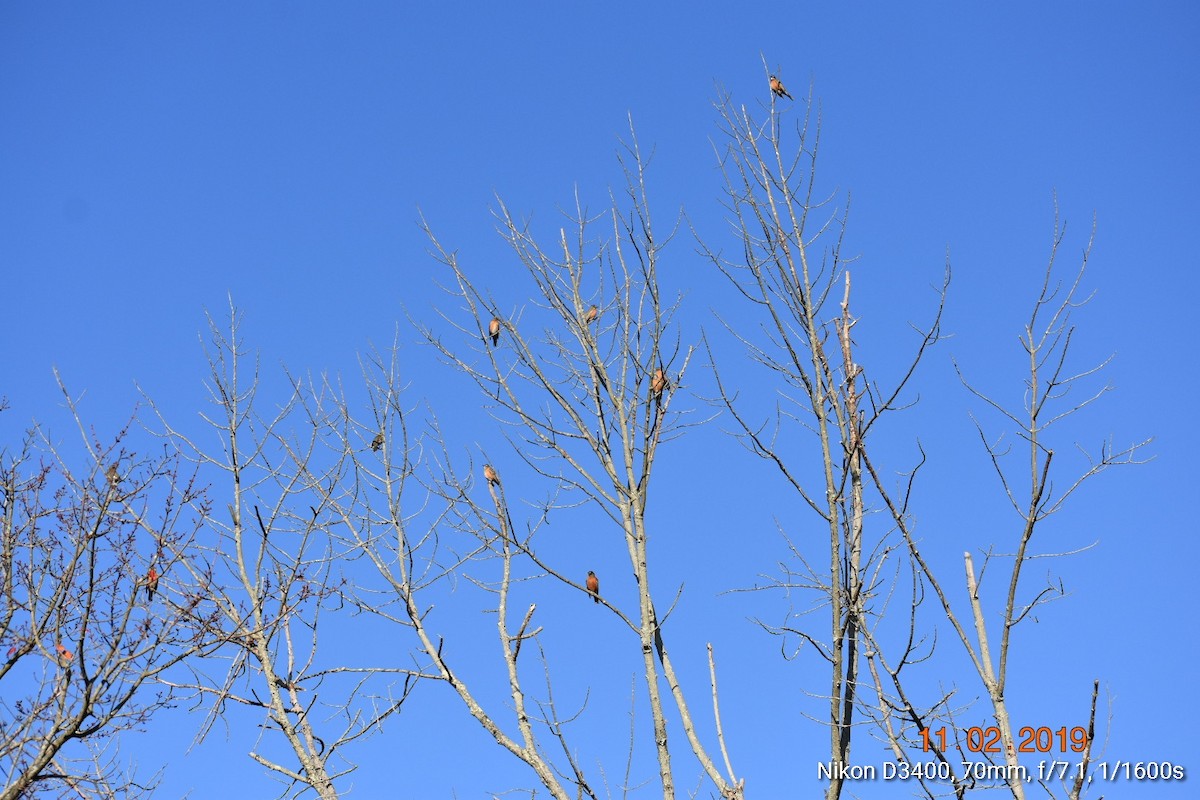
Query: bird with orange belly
{"points": [[65, 656], [658, 382], [778, 90], [593, 586]]}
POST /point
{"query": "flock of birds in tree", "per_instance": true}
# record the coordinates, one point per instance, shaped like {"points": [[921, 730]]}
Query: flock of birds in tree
{"points": [[658, 383]]}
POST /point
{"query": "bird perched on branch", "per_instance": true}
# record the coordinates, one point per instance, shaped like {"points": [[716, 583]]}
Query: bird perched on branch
{"points": [[593, 586], [590, 316], [777, 88], [494, 330], [489, 472], [377, 442], [113, 474], [151, 583], [65, 656], [659, 382]]}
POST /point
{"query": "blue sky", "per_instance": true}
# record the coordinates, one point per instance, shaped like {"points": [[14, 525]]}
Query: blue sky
{"points": [[157, 159]]}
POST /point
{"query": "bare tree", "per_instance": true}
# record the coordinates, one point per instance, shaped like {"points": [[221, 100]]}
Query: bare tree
{"points": [[586, 377], [88, 615], [1046, 344], [788, 264], [262, 585], [417, 558], [789, 267], [421, 547]]}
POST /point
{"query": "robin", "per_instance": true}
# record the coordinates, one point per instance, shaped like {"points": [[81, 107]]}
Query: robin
{"points": [[593, 586], [114, 475], [489, 472], [377, 442], [64, 655], [151, 583], [494, 330], [777, 88], [658, 382], [590, 316]]}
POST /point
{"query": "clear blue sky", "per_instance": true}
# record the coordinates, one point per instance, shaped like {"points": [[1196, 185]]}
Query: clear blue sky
{"points": [[156, 158]]}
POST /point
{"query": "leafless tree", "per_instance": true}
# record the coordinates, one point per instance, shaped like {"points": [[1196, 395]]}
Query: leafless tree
{"points": [[85, 543], [267, 581], [1030, 490], [788, 265], [416, 558], [586, 376]]}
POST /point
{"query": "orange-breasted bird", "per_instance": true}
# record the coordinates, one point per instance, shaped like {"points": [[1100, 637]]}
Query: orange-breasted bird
{"points": [[494, 330], [489, 472], [590, 316], [64, 655], [151, 583], [377, 442], [777, 88], [658, 382], [593, 586]]}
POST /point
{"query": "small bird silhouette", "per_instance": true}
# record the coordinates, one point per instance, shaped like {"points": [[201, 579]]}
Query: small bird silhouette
{"points": [[490, 473], [114, 475], [64, 655], [777, 88], [593, 586], [659, 382], [151, 583], [377, 442], [590, 316], [494, 330]]}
